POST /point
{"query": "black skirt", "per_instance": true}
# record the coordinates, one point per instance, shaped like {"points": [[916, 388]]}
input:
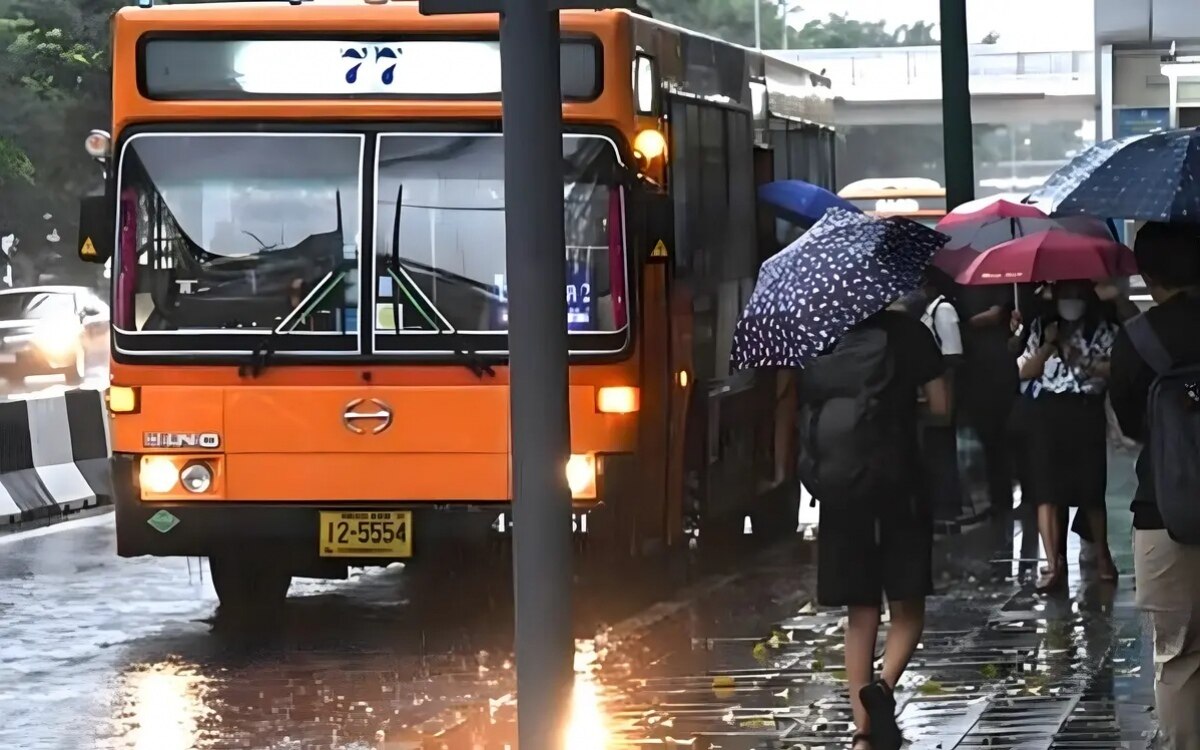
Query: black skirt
{"points": [[1067, 450]]}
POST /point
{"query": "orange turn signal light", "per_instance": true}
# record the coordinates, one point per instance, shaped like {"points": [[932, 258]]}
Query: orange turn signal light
{"points": [[122, 399], [618, 400]]}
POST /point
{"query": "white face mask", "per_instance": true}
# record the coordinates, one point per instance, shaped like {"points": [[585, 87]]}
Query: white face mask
{"points": [[1071, 310]]}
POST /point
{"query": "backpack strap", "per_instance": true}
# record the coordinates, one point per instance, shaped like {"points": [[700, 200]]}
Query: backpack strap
{"points": [[1149, 346]]}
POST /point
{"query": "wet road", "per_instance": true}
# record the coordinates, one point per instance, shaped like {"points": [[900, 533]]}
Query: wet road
{"points": [[49, 385], [99, 652]]}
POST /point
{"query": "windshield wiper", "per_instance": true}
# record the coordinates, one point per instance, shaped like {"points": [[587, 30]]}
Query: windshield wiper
{"points": [[260, 358], [467, 357]]}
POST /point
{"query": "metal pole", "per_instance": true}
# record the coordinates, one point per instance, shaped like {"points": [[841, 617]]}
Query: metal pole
{"points": [[956, 105], [757, 24], [785, 23], [537, 323]]}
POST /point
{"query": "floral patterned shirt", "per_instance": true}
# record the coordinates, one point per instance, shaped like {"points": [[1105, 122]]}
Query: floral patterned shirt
{"points": [[1070, 375]]}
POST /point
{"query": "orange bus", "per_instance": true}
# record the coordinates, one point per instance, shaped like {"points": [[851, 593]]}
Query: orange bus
{"points": [[922, 200], [304, 214]]}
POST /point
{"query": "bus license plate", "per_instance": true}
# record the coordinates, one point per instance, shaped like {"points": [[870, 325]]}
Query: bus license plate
{"points": [[366, 533]]}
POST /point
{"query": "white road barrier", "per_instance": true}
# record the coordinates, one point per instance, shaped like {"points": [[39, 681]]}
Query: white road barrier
{"points": [[54, 455]]}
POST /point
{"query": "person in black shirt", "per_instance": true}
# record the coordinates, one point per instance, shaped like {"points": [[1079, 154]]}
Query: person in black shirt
{"points": [[987, 388], [863, 557], [1167, 573]]}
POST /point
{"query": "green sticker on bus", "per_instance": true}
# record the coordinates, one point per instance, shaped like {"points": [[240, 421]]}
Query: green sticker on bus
{"points": [[163, 521]]}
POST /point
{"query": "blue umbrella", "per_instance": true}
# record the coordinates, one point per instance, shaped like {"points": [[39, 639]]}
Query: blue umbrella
{"points": [[802, 202], [845, 269], [1149, 177]]}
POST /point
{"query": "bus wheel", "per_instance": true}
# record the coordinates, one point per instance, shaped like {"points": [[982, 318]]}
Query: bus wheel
{"points": [[248, 583]]}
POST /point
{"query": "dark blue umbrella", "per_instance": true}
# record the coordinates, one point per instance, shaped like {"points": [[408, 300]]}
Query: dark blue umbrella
{"points": [[802, 202], [1149, 177], [845, 269]]}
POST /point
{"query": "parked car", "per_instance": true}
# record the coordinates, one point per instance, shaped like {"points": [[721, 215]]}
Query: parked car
{"points": [[47, 330]]}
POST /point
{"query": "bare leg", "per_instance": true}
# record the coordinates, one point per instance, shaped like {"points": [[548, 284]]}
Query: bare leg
{"points": [[861, 634], [904, 635], [1097, 519], [1050, 528], [1063, 515]]}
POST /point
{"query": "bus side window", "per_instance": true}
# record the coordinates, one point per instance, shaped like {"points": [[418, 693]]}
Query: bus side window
{"points": [[685, 184]]}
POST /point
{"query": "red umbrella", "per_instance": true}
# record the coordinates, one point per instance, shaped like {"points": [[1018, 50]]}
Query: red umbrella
{"points": [[1053, 255]]}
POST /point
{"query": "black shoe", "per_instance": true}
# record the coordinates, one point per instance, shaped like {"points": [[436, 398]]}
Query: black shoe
{"points": [[880, 702]]}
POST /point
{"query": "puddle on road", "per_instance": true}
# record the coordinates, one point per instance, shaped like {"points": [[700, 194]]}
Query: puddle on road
{"points": [[748, 664]]}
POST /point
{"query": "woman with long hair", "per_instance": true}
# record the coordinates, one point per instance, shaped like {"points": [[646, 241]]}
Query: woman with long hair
{"points": [[1065, 372]]}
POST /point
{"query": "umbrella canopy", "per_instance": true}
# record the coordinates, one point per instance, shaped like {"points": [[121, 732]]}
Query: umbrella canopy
{"points": [[1149, 177], [802, 202], [1054, 255], [847, 268], [981, 225]]}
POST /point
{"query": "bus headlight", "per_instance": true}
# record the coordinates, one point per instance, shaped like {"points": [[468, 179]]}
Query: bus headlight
{"points": [[158, 475], [196, 478], [581, 476]]}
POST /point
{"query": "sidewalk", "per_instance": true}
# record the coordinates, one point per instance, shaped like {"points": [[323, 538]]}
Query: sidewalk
{"points": [[1001, 666]]}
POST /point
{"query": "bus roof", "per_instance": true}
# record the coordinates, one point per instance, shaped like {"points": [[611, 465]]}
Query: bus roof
{"points": [[206, 51]]}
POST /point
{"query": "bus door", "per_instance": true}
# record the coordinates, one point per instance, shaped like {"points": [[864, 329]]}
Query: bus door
{"points": [[775, 464], [659, 494]]}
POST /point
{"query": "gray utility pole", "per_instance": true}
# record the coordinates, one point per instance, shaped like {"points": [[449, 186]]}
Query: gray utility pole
{"points": [[957, 134], [786, 9], [758, 24], [531, 96]]}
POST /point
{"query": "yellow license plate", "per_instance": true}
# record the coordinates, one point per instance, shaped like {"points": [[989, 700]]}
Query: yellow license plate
{"points": [[360, 533]]}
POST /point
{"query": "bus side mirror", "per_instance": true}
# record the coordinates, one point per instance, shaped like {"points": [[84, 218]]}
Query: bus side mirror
{"points": [[96, 229]]}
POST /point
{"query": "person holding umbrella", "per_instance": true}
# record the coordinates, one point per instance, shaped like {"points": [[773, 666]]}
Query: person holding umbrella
{"points": [[1064, 371], [819, 309], [1167, 571], [1065, 367]]}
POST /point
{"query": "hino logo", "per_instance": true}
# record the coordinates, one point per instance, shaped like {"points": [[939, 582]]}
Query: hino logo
{"points": [[209, 440]]}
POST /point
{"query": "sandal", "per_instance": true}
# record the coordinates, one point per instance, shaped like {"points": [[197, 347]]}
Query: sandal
{"points": [[880, 701]]}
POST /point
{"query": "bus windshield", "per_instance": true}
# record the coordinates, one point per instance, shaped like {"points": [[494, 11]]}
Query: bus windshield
{"points": [[440, 262], [233, 232], [227, 236]]}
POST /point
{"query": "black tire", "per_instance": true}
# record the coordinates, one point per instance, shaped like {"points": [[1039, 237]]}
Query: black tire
{"points": [[249, 586]]}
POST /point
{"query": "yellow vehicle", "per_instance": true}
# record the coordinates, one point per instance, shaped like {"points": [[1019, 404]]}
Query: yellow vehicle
{"points": [[915, 198], [309, 295]]}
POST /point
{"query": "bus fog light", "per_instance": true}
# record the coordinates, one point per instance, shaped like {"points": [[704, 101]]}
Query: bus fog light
{"points": [[158, 475], [581, 475], [196, 478]]}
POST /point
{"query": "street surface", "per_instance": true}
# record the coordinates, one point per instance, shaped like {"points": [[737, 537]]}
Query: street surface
{"points": [[49, 385], [100, 652]]}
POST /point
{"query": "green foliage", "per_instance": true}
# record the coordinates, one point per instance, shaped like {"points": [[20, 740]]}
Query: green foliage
{"points": [[54, 88], [14, 164]]}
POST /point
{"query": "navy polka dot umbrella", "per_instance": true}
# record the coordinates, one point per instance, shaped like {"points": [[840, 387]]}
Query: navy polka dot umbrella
{"points": [[845, 269], [1149, 177]]}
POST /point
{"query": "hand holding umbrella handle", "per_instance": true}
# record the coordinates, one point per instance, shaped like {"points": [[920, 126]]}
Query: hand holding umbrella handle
{"points": [[1107, 291], [1050, 335]]}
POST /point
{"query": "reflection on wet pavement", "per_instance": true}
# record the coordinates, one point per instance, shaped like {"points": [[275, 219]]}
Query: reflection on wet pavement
{"points": [[118, 655]]}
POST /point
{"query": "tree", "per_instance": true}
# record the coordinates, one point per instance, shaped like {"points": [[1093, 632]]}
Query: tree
{"points": [[54, 82]]}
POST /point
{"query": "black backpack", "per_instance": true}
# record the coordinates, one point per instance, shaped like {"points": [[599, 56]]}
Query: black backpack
{"points": [[849, 441], [1173, 413]]}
